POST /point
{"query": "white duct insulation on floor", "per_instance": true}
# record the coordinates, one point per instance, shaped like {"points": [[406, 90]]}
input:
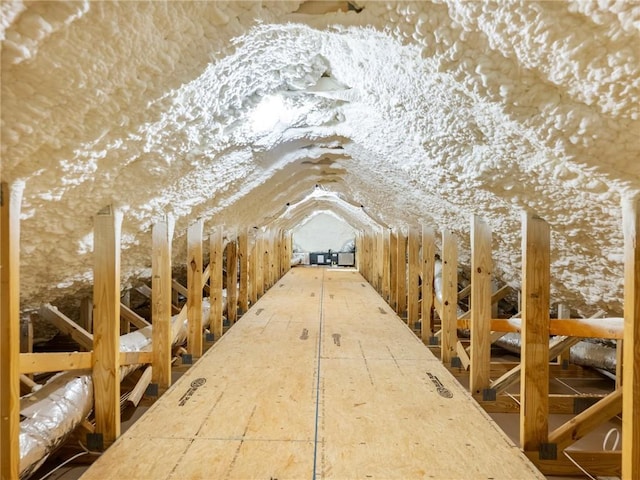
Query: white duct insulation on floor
{"points": [[585, 353], [54, 411]]}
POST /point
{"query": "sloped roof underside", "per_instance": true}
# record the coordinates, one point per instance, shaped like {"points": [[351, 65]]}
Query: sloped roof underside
{"points": [[424, 113]]}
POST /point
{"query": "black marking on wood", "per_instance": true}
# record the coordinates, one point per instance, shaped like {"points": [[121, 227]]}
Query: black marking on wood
{"points": [[259, 311], [442, 390], [382, 310], [313, 294], [195, 385], [336, 338], [305, 334]]}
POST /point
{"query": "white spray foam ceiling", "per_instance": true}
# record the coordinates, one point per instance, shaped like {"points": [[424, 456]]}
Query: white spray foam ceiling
{"points": [[422, 112]]}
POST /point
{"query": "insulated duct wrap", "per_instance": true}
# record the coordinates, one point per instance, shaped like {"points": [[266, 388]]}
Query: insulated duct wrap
{"points": [[51, 413]]}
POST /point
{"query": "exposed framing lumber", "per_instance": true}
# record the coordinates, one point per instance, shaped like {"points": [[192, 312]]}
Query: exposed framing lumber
{"points": [[66, 325], [564, 312], [141, 386], [86, 314], [232, 282], [384, 233], [194, 288], [10, 204], [133, 318], [215, 267], [393, 269], [449, 336], [243, 260], [161, 285], [106, 316], [534, 384], [253, 292], [631, 352], [513, 375], [402, 274], [598, 463], [428, 261], [260, 263], [178, 287], [62, 361], [586, 421], [481, 267], [413, 304], [558, 403]]}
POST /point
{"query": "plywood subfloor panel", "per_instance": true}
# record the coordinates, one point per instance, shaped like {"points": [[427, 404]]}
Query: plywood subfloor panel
{"points": [[319, 379]]}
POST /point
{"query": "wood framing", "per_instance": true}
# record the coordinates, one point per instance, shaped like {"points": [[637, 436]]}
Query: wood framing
{"points": [[232, 282], [243, 261], [68, 326], [260, 264], [631, 352], [215, 267], [385, 264], [133, 318], [534, 383], [106, 322], [481, 268], [393, 269], [61, 361], [253, 292], [449, 318], [413, 279], [428, 261], [402, 274], [194, 287], [161, 239], [10, 201]]}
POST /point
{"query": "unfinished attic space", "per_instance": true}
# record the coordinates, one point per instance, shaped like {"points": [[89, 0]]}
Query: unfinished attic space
{"points": [[320, 239]]}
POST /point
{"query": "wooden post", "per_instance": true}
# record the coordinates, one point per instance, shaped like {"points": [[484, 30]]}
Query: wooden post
{"points": [[564, 312], [481, 267], [86, 314], [260, 263], [428, 260], [631, 353], [243, 260], [414, 278], [194, 287], [161, 235], [393, 270], [106, 323], [232, 282], [266, 264], [215, 282], [10, 201], [402, 274], [289, 251], [385, 264], [449, 338], [253, 290], [534, 377]]}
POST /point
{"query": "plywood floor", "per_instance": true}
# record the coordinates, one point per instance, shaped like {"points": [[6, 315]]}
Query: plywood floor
{"points": [[319, 379]]}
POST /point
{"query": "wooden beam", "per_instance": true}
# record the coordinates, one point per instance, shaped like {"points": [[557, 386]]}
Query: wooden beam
{"points": [[106, 318], [586, 421], [161, 285], [449, 317], [178, 287], [402, 274], [534, 383], [132, 317], [86, 314], [481, 268], [232, 282], [215, 266], [462, 354], [393, 269], [63, 361], [428, 260], [631, 352], [386, 277], [415, 267], [253, 292], [10, 204], [243, 260], [194, 288], [66, 325], [599, 463], [613, 328], [558, 403], [138, 390], [260, 263]]}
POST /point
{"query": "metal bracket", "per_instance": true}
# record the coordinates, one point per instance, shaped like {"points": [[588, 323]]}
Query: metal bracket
{"points": [[548, 451], [95, 442], [489, 395], [208, 337], [152, 390], [187, 359], [456, 362], [434, 341]]}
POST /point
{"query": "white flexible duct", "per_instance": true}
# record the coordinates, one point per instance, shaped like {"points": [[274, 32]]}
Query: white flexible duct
{"points": [[55, 410]]}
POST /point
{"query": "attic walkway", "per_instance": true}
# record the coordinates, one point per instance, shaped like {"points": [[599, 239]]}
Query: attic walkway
{"points": [[319, 379]]}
